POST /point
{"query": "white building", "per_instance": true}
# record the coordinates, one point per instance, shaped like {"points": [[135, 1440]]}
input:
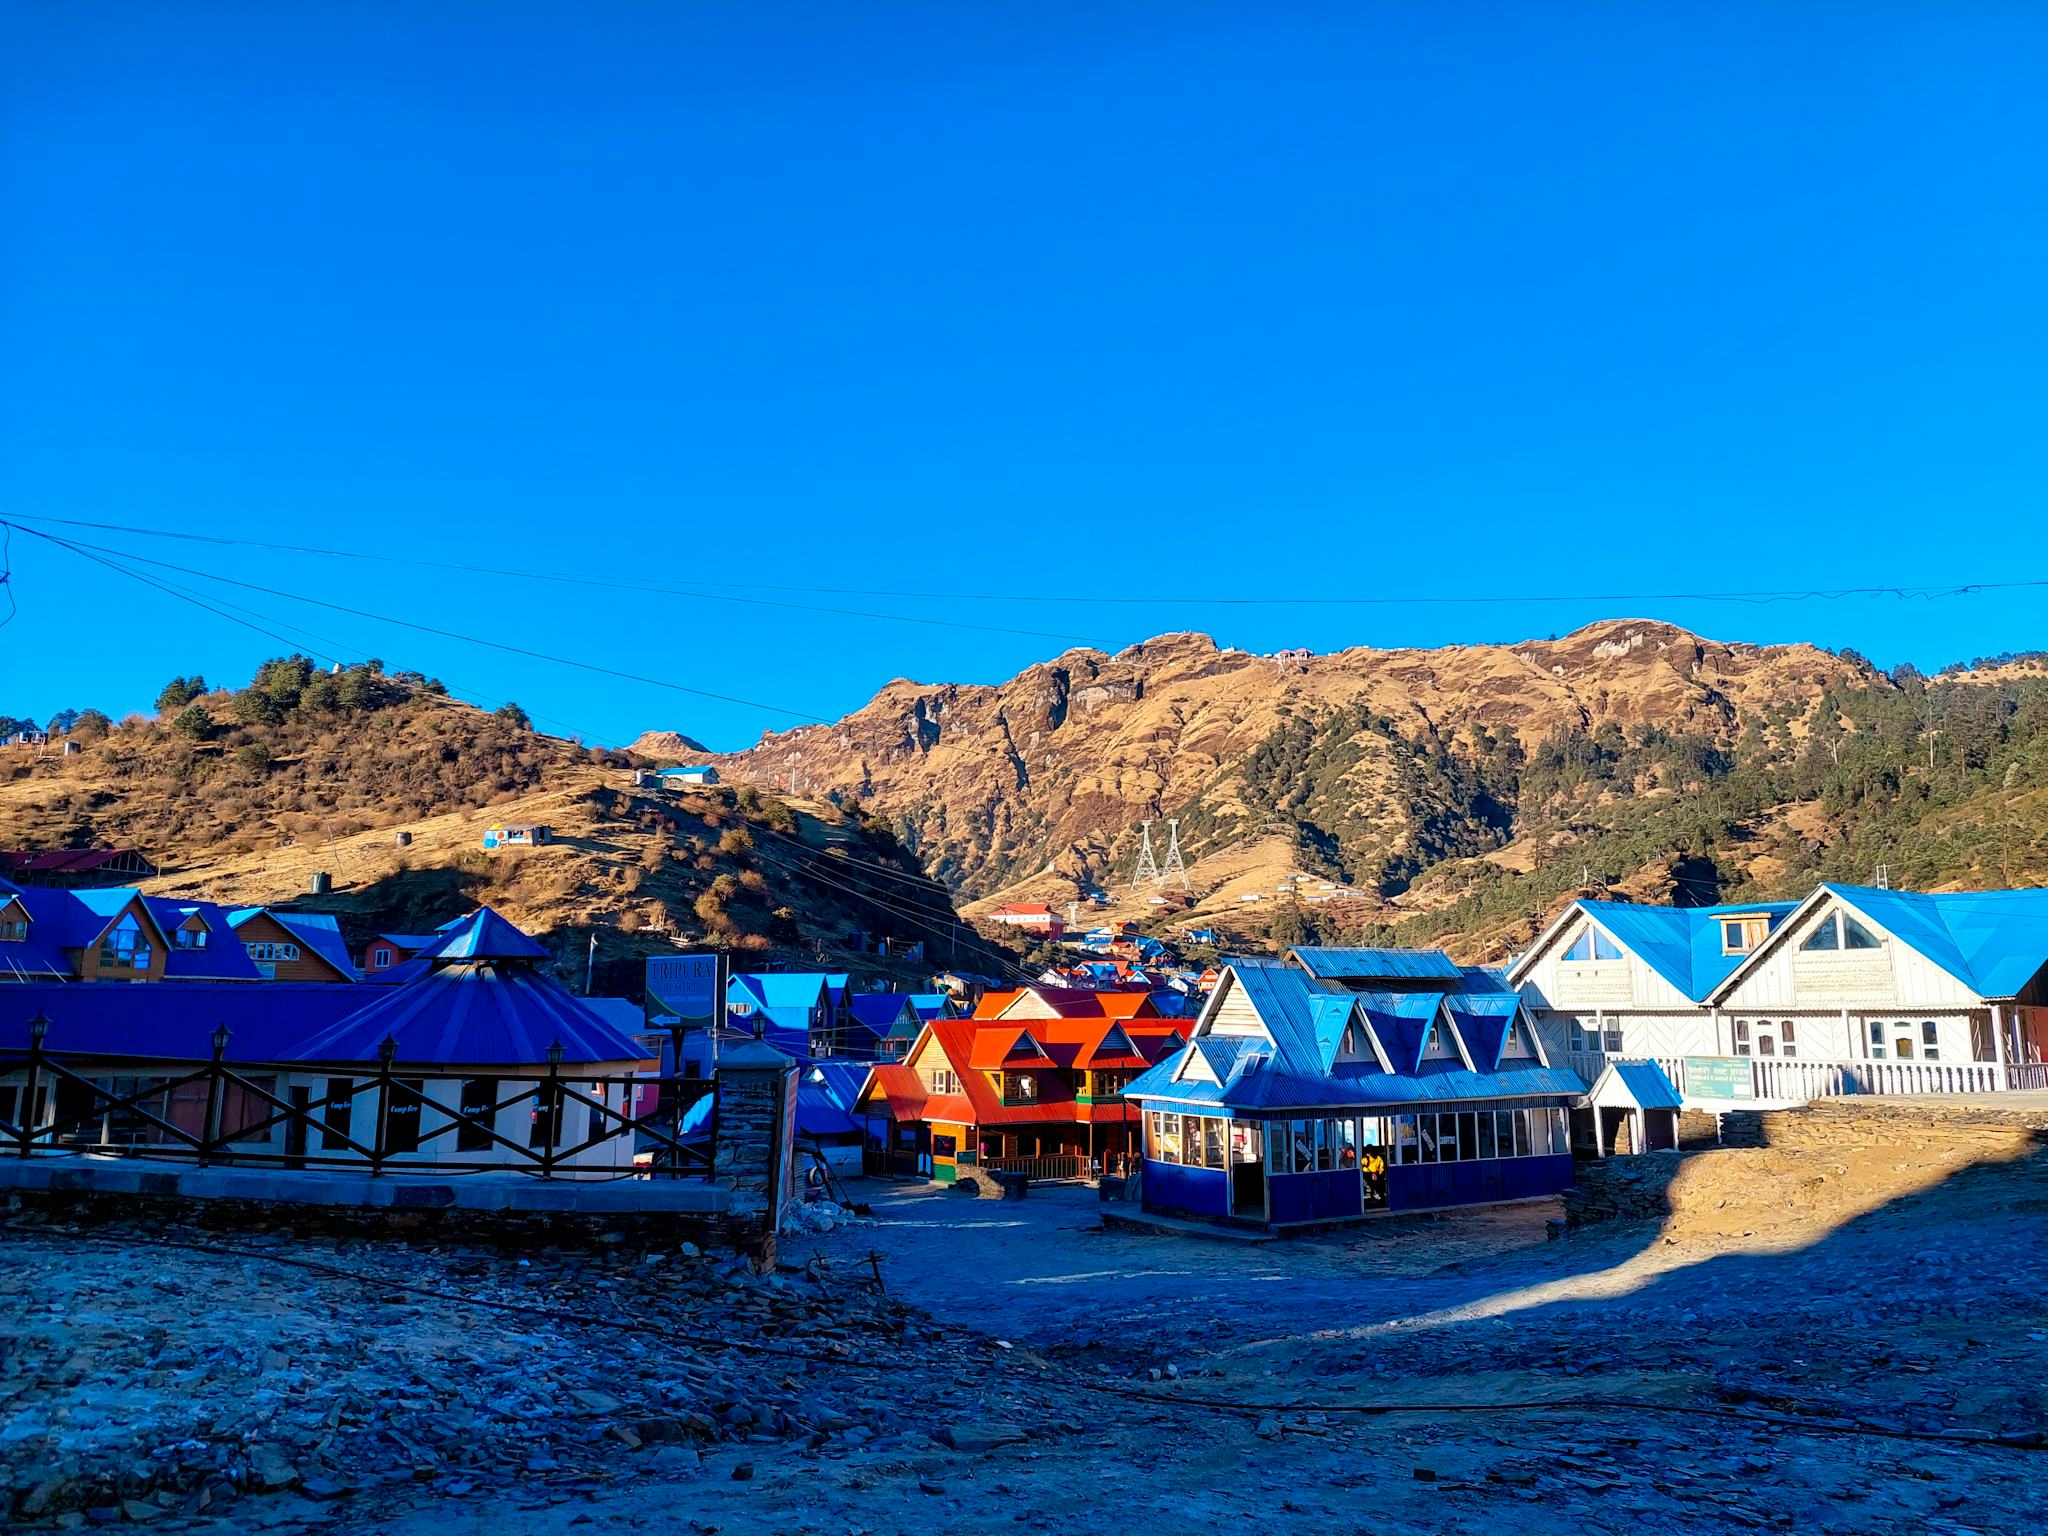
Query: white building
{"points": [[1854, 990]]}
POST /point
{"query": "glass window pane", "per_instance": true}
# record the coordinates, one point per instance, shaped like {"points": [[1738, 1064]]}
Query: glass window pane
{"points": [[1468, 1135], [1345, 1133], [1212, 1143], [1425, 1134], [1520, 1119], [1823, 937], [1404, 1140], [1857, 936], [1483, 1141], [1304, 1134], [1605, 948]]}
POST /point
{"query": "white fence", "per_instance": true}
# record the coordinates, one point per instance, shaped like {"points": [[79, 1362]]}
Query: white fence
{"points": [[1778, 1080]]}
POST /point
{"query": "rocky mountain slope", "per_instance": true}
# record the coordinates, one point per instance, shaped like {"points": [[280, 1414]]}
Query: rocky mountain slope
{"points": [[1441, 792], [245, 795]]}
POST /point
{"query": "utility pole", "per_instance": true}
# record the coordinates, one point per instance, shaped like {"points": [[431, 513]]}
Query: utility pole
{"points": [[590, 965], [1148, 868], [1174, 868]]}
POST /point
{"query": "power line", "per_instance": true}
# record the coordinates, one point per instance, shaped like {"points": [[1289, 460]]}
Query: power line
{"points": [[96, 552], [1927, 592], [579, 581]]}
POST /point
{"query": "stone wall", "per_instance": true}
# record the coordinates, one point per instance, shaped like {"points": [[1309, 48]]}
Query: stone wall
{"points": [[754, 1155]]}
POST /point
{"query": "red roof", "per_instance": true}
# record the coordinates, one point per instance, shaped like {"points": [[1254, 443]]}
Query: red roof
{"points": [[976, 1047]]}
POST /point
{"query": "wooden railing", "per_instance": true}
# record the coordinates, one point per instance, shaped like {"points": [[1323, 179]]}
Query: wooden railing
{"points": [[1791, 1081], [1049, 1169], [223, 1112]]}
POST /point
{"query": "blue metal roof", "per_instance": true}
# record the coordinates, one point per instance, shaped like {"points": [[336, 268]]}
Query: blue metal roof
{"points": [[1647, 1084], [1681, 944], [483, 935], [884, 1014], [1298, 1069], [269, 1022], [1376, 964], [1994, 942], [473, 1013]]}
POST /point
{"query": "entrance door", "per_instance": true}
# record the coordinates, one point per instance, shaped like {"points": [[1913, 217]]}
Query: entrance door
{"points": [[1248, 1169]]}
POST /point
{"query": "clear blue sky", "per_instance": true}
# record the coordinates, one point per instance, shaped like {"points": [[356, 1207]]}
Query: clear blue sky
{"points": [[1037, 300]]}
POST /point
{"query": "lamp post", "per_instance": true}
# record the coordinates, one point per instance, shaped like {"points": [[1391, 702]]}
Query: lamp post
{"points": [[387, 1052], [551, 1125], [38, 1028], [209, 1129]]}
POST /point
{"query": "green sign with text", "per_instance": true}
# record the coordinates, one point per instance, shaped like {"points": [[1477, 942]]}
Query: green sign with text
{"points": [[1718, 1077]]}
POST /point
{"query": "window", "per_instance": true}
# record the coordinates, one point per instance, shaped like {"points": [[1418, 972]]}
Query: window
{"points": [[1405, 1151], [1838, 930], [1020, 1088], [191, 938], [1468, 1135], [1344, 1137], [125, 946], [1930, 1040], [380, 959], [479, 1094], [1613, 1039], [1734, 938], [13, 929], [1824, 937], [1483, 1142], [1593, 945], [271, 953], [1425, 1131], [1212, 1143], [1876, 1040], [1856, 936], [1742, 1037], [1447, 1138], [1766, 1042], [402, 1122], [339, 1114], [1788, 1041], [942, 1080], [1520, 1119]]}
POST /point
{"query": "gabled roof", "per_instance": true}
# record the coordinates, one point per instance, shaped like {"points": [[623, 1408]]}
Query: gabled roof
{"points": [[884, 1014], [1296, 1066], [1331, 963], [785, 989], [1993, 942], [1681, 944]]}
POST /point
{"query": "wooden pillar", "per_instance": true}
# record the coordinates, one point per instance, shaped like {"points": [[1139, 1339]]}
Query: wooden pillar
{"points": [[1599, 1133], [1999, 1054]]}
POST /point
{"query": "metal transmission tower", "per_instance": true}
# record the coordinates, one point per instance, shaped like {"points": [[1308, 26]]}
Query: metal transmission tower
{"points": [[1147, 868], [1173, 868]]}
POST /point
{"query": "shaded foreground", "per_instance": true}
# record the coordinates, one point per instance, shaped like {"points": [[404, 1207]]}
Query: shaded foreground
{"points": [[1904, 1295]]}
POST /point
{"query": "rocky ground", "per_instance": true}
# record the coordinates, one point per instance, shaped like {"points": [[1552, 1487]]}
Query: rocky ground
{"points": [[1884, 1373]]}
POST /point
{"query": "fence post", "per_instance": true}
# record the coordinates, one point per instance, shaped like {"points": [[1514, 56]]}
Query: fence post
{"points": [[38, 1027], [209, 1128], [556, 1108], [387, 1052]]}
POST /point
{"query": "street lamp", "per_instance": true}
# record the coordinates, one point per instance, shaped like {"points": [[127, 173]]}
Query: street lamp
{"points": [[554, 1055], [220, 1041], [387, 1051], [38, 1027]]}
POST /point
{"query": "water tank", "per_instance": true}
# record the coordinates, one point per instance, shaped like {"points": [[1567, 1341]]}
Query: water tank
{"points": [[323, 882]]}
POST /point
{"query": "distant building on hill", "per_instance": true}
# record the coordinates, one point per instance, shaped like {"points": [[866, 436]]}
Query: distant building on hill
{"points": [[701, 774], [74, 867], [1031, 917], [518, 834]]}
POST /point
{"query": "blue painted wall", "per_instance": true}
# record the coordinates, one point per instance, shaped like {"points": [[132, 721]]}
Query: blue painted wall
{"points": [[1419, 1187], [1329, 1196], [1173, 1189]]}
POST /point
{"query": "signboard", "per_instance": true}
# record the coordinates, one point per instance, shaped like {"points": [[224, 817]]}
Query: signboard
{"points": [[1719, 1077], [684, 991]]}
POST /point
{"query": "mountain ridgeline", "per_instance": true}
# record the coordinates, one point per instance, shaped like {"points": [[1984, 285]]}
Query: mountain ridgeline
{"points": [[1458, 792]]}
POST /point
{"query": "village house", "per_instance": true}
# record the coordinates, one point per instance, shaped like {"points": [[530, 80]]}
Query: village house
{"points": [[1854, 990], [1351, 1083], [385, 951], [69, 868], [1034, 918], [483, 1060], [518, 834], [117, 934], [673, 778]]}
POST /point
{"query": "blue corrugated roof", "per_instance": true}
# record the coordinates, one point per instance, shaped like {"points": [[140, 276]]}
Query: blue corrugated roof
{"points": [[1297, 1069], [473, 1013], [266, 1022], [1376, 964], [1994, 942], [482, 935], [1681, 944], [1647, 1084]]}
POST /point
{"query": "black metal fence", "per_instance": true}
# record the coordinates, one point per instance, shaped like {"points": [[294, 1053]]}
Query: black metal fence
{"points": [[232, 1113]]}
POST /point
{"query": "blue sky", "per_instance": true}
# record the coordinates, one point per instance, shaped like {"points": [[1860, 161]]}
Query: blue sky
{"points": [[1049, 302]]}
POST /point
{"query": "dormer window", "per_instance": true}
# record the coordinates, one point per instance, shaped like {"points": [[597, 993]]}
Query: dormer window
{"points": [[1838, 930], [191, 935], [124, 946], [1593, 945], [1739, 935], [13, 923]]}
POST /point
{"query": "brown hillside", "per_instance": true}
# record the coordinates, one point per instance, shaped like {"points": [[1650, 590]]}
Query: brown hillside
{"points": [[251, 803], [1052, 770]]}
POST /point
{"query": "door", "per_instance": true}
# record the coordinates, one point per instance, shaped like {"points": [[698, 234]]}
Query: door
{"points": [[1247, 1169]]}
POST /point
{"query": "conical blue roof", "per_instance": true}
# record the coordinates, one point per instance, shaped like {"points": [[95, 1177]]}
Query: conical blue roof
{"points": [[483, 935], [474, 1013]]}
